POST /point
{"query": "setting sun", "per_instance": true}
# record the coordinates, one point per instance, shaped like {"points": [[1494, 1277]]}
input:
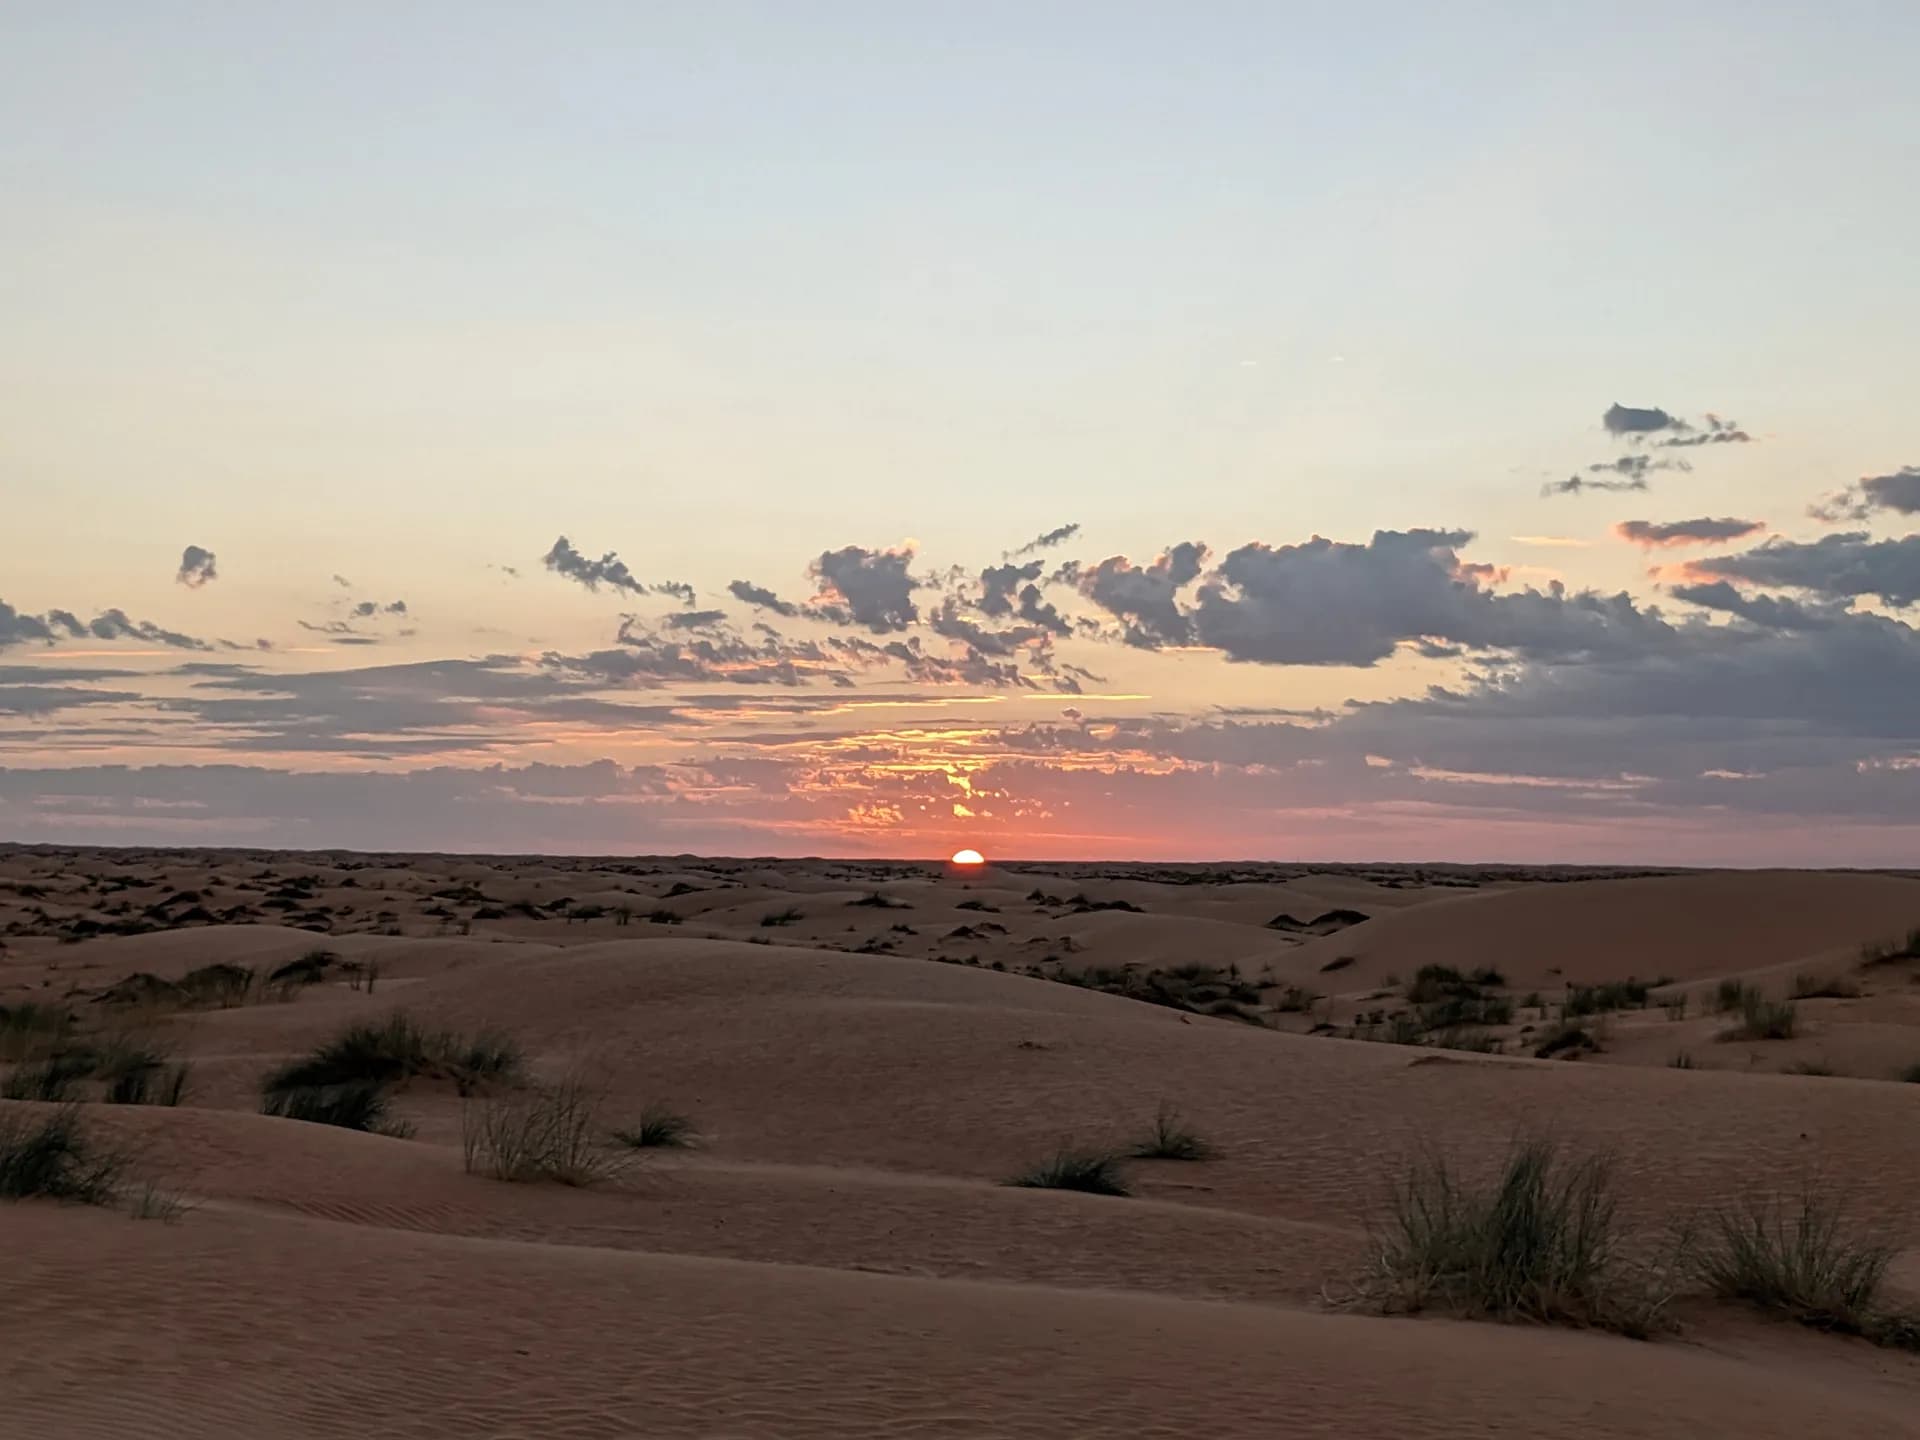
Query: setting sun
{"points": [[968, 857]]}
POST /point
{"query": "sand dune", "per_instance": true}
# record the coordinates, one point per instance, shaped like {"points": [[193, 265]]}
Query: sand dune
{"points": [[839, 1255]]}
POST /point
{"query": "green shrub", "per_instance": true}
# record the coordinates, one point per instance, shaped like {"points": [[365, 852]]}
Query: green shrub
{"points": [[1729, 995], [780, 917], [1566, 1039], [1540, 1242], [1093, 1172]]}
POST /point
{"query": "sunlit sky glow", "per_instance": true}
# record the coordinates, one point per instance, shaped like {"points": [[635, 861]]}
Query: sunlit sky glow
{"points": [[1237, 430]]}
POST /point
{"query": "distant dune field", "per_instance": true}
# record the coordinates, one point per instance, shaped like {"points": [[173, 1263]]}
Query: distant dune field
{"points": [[863, 1055]]}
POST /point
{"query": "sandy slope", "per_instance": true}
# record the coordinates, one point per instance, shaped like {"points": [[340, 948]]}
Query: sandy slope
{"points": [[839, 1257], [241, 1324]]}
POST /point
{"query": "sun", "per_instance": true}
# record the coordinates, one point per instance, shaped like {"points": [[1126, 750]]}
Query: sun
{"points": [[968, 857]]}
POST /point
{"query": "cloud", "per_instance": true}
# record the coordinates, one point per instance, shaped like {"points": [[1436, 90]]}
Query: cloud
{"points": [[114, 625], [1898, 492], [1626, 420], [1703, 531], [1843, 566], [1047, 541], [1717, 432], [1328, 602], [18, 629], [1578, 484], [1145, 597], [761, 598], [872, 586], [196, 567], [368, 608], [695, 619], [342, 581], [678, 589], [608, 570], [1772, 612]]}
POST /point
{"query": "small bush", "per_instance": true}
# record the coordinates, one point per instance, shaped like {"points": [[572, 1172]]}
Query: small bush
{"points": [[1807, 1263], [1813, 987], [662, 917], [1682, 1061], [1092, 1172], [1763, 1019], [1729, 995], [1339, 962], [1887, 952], [151, 1202], [310, 969], [353, 1105], [1911, 1075], [874, 900], [54, 1078], [51, 1156], [1541, 1242], [217, 984], [399, 1048], [1810, 1067], [141, 1075], [548, 1133], [780, 917], [1170, 1140], [1676, 1007], [659, 1128], [29, 1030], [1565, 1039], [1597, 999]]}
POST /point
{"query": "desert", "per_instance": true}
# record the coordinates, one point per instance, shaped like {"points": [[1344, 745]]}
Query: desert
{"points": [[791, 1098]]}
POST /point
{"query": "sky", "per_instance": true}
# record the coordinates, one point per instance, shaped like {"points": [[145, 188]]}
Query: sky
{"points": [[1120, 430]]}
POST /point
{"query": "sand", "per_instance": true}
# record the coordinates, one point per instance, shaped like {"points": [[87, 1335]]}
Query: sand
{"points": [[838, 1256]]}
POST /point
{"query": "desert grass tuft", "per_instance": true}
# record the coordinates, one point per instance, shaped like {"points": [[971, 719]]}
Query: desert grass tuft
{"points": [[1170, 1139], [52, 1157], [353, 1105], [32, 1029], [1806, 1261], [1092, 1172], [1540, 1241], [1763, 1019], [549, 1133], [659, 1128], [399, 1048]]}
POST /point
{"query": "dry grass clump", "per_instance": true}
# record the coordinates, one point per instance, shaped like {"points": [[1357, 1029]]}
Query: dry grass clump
{"points": [[1540, 1241], [1804, 1261], [659, 1129], [1763, 1019], [547, 1132], [51, 1157], [1170, 1140], [1092, 1172], [345, 1082]]}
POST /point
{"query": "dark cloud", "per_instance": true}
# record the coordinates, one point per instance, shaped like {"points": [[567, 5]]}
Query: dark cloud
{"points": [[114, 625], [1843, 566], [1703, 531], [1050, 539], [367, 608], [1579, 484], [18, 700], [695, 619], [1000, 583], [18, 629], [196, 567], [873, 587], [759, 596], [1716, 432], [608, 570], [1626, 420], [342, 581], [1335, 603], [1773, 612], [1145, 598], [1898, 492], [68, 621], [678, 589]]}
